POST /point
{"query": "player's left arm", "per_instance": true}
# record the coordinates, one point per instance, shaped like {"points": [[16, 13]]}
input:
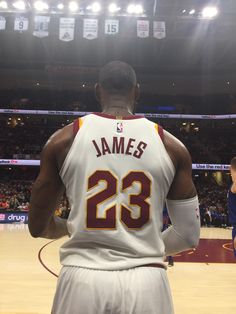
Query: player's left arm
{"points": [[45, 197]]}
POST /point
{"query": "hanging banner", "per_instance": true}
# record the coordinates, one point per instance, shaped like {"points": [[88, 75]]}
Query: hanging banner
{"points": [[90, 29], [142, 28], [159, 29], [67, 28], [2, 23], [21, 24], [41, 25], [111, 27]]}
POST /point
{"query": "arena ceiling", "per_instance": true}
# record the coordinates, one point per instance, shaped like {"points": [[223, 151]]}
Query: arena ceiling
{"points": [[197, 56]]}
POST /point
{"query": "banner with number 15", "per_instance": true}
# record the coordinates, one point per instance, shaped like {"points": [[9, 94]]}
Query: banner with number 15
{"points": [[111, 27]]}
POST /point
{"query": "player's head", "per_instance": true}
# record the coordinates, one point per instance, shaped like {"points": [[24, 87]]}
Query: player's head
{"points": [[233, 163], [117, 81], [233, 168]]}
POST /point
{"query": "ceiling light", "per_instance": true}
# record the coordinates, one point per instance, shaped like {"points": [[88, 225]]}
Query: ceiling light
{"points": [[20, 5], [191, 12], [113, 8], [60, 6], [138, 9], [210, 12], [131, 9], [135, 9], [41, 5], [73, 6], [3, 5], [96, 7]]}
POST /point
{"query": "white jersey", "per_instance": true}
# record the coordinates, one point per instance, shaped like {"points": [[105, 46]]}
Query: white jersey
{"points": [[117, 174]]}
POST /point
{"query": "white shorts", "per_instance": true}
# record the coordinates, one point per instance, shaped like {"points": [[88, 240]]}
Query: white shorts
{"points": [[141, 290]]}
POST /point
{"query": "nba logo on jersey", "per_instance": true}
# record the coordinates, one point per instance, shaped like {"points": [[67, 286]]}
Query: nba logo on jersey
{"points": [[119, 127]]}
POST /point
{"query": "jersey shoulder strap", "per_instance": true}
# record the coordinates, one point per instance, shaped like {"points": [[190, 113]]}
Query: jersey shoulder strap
{"points": [[160, 131], [77, 124]]}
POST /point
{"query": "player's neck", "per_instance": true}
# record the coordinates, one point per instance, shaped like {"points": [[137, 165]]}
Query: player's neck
{"points": [[118, 108]]}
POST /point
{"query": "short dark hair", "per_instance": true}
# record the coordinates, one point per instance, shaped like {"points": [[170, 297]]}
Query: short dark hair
{"points": [[117, 77], [233, 163]]}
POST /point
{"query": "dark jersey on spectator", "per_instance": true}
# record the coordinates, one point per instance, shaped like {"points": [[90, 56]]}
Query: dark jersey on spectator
{"points": [[232, 207]]}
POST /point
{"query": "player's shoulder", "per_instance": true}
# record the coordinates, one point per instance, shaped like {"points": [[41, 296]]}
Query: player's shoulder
{"points": [[173, 141], [59, 144], [66, 135], [61, 135], [176, 149]]}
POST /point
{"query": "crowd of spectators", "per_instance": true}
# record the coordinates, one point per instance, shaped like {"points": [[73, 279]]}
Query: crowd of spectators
{"points": [[15, 196], [207, 143], [213, 203]]}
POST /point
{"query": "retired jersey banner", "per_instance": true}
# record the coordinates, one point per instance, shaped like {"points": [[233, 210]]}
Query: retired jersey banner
{"points": [[21, 24], [90, 29], [2, 23], [111, 27], [67, 28], [142, 28], [159, 29], [41, 25]]}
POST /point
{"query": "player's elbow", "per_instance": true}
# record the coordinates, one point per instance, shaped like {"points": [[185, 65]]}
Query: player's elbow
{"points": [[34, 232], [192, 238], [193, 243]]}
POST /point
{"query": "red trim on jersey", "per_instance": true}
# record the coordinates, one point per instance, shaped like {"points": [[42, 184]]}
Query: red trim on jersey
{"points": [[109, 116], [161, 132], [75, 127]]}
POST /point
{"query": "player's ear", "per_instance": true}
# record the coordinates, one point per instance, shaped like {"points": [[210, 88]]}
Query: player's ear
{"points": [[137, 92], [97, 92]]}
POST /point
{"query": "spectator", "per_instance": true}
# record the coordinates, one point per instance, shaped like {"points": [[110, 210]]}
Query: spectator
{"points": [[4, 205]]}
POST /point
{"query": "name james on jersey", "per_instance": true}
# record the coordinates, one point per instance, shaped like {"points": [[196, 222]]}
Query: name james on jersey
{"points": [[119, 145]]}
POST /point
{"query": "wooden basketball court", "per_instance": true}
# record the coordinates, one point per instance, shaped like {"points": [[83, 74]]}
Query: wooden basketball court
{"points": [[26, 287]]}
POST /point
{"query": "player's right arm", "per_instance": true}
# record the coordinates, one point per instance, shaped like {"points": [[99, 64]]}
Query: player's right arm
{"points": [[233, 188], [182, 201]]}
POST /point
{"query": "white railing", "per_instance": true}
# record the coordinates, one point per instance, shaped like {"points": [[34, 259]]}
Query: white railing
{"points": [[148, 115], [33, 162]]}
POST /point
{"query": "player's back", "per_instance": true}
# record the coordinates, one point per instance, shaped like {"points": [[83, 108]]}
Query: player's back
{"points": [[117, 175]]}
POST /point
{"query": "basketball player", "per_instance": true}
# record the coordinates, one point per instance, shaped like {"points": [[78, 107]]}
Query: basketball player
{"points": [[118, 171], [232, 202]]}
